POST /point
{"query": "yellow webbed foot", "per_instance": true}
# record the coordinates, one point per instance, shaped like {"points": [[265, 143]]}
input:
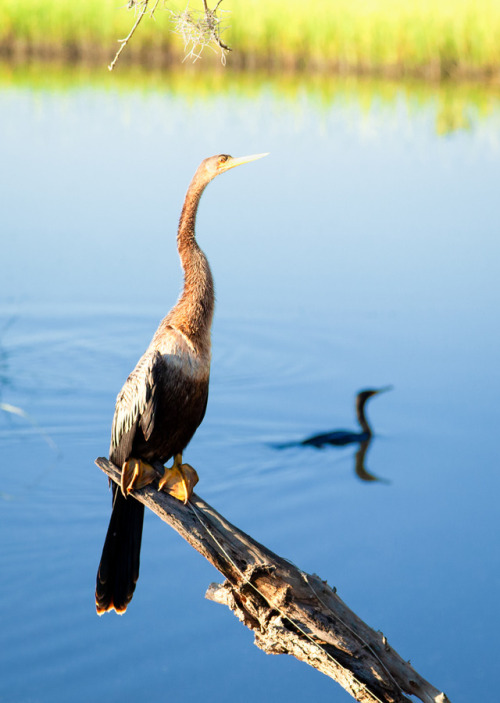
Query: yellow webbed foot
{"points": [[136, 474], [179, 480]]}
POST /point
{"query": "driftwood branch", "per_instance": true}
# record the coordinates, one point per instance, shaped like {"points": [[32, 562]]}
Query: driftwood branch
{"points": [[290, 611]]}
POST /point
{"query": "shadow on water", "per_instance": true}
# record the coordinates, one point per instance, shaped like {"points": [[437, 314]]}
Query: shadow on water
{"points": [[343, 438]]}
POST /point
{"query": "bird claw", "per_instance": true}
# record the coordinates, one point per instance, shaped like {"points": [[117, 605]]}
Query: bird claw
{"points": [[179, 480], [136, 474]]}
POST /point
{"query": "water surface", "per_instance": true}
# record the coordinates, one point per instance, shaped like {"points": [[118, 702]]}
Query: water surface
{"points": [[363, 251]]}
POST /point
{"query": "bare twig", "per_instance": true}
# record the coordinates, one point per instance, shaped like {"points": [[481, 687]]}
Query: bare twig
{"points": [[152, 14], [200, 29], [124, 42], [197, 28], [290, 612]]}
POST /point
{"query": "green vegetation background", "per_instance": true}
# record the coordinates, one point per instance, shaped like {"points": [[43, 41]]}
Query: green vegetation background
{"points": [[434, 36]]}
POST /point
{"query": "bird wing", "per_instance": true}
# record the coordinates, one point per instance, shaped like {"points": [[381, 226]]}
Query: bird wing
{"points": [[135, 404]]}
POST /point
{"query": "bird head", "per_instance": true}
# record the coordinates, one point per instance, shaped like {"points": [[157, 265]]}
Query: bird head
{"points": [[214, 165], [369, 392], [363, 396]]}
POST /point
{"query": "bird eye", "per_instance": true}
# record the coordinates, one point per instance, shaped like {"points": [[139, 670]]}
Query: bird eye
{"points": [[222, 159]]}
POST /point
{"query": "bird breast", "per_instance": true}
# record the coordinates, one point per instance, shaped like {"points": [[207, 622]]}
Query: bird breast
{"points": [[180, 354]]}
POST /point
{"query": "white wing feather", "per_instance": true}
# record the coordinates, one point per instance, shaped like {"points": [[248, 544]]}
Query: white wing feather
{"points": [[134, 396]]}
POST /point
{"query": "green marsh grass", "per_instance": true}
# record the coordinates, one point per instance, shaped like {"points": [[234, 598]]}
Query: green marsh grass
{"points": [[432, 37]]}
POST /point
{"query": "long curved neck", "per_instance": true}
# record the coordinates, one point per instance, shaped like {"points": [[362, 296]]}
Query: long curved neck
{"points": [[360, 413], [193, 313]]}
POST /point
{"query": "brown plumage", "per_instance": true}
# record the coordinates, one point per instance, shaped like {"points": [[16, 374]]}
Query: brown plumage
{"points": [[164, 399]]}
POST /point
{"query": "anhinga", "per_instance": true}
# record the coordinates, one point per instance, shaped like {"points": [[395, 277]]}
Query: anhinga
{"points": [[162, 403], [340, 438]]}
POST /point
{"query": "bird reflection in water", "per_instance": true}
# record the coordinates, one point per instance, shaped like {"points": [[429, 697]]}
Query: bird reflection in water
{"points": [[342, 438]]}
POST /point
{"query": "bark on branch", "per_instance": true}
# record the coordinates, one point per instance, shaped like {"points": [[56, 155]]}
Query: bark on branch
{"points": [[290, 611]]}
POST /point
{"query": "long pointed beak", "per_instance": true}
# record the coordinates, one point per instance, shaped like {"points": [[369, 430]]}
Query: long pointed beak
{"points": [[239, 160], [384, 389]]}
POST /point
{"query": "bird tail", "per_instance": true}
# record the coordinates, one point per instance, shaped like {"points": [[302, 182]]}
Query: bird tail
{"points": [[119, 567]]}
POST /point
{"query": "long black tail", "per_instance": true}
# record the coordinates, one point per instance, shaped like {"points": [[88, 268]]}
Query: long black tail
{"points": [[119, 567]]}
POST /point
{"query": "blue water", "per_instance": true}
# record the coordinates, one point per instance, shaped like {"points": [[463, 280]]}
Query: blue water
{"points": [[362, 252]]}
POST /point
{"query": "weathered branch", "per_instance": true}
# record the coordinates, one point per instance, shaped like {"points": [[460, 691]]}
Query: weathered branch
{"points": [[290, 612]]}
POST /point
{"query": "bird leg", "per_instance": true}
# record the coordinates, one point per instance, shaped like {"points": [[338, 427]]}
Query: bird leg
{"points": [[136, 474], [179, 480]]}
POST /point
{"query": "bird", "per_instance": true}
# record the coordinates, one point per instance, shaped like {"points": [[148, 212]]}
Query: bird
{"points": [[341, 438], [162, 403]]}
